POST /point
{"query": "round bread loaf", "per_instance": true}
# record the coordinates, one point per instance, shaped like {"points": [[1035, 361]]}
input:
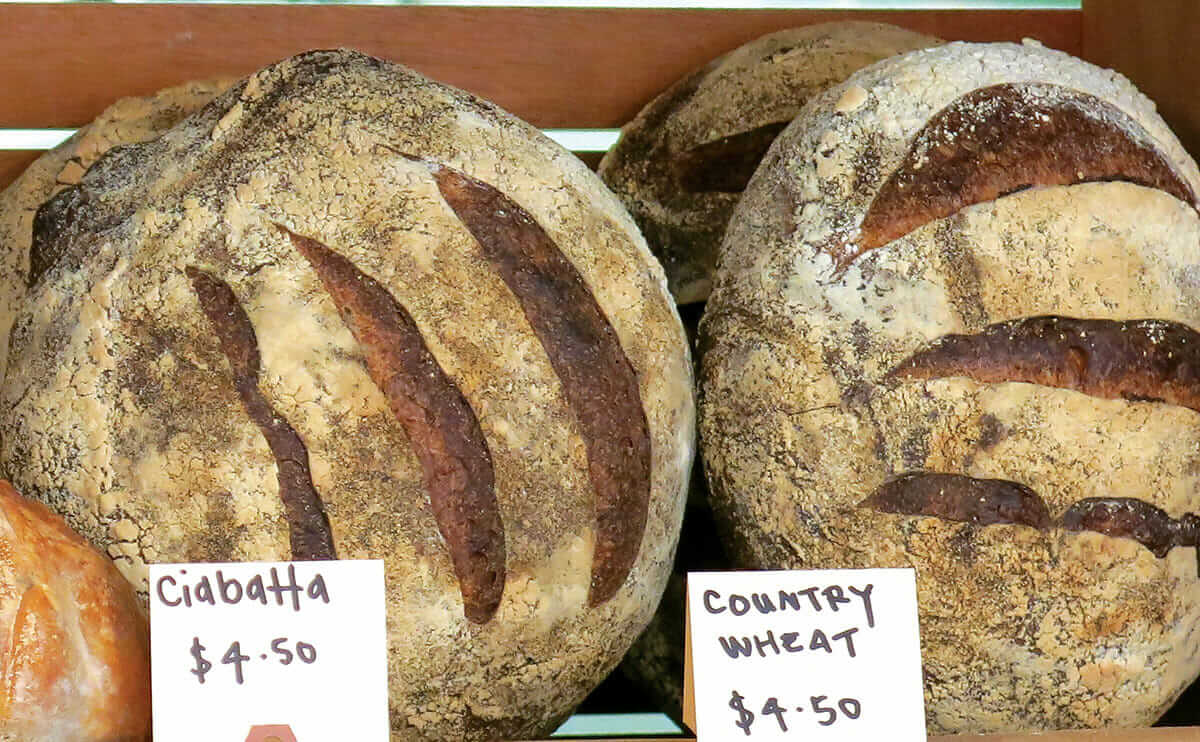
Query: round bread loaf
{"points": [[955, 329], [682, 163], [344, 311], [74, 642]]}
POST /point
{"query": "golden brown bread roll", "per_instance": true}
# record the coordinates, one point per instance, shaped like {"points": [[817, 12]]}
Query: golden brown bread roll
{"points": [[955, 329], [345, 311], [682, 163], [74, 642]]}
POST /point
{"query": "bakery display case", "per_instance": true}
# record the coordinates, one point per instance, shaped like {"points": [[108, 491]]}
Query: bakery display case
{"points": [[950, 326]]}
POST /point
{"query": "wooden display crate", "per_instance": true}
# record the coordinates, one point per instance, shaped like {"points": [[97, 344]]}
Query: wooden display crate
{"points": [[555, 67]]}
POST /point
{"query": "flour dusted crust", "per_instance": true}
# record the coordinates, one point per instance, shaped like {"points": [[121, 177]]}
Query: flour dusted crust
{"points": [[127, 121], [1026, 623], [747, 95], [127, 397]]}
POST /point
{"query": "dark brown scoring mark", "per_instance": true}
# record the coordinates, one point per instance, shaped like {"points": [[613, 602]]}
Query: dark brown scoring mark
{"points": [[961, 498], [50, 224], [1125, 517], [1001, 139], [309, 531], [443, 429], [958, 497], [725, 165], [1149, 360], [598, 380]]}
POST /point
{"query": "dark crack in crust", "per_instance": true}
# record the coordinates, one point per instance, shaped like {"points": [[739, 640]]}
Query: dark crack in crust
{"points": [[985, 502], [50, 224], [643, 158], [961, 498], [1147, 360], [598, 379], [308, 526], [725, 165], [66, 225], [1005, 138], [445, 434], [1126, 517]]}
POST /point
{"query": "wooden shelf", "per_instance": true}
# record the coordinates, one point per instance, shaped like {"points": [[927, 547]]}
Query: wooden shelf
{"points": [[554, 67]]}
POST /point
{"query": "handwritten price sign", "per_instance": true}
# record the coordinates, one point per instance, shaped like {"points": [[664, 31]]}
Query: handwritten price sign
{"points": [[244, 646], [851, 708], [233, 656], [830, 655]]}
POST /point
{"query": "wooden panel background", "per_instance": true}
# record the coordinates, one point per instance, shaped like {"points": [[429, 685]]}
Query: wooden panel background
{"points": [[1154, 44], [554, 67]]}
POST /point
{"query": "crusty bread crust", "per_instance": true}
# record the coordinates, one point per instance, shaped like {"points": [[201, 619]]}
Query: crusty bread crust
{"points": [[74, 641], [126, 410], [808, 425], [747, 95], [127, 121]]}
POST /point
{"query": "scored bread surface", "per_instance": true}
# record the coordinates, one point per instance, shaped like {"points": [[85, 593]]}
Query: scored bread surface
{"points": [[681, 164], [273, 281], [854, 400]]}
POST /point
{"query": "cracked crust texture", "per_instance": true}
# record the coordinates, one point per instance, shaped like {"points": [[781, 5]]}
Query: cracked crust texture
{"points": [[764, 82], [120, 410], [128, 121], [1022, 628]]}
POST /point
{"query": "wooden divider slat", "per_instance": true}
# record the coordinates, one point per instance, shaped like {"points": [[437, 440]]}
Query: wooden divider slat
{"points": [[1153, 44], [13, 163], [555, 67]]}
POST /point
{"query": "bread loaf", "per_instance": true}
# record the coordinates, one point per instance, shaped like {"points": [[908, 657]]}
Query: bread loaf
{"points": [[955, 329], [345, 311], [74, 643], [682, 163]]}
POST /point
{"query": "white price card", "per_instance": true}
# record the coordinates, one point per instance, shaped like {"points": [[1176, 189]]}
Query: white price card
{"points": [[806, 655], [295, 648]]}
